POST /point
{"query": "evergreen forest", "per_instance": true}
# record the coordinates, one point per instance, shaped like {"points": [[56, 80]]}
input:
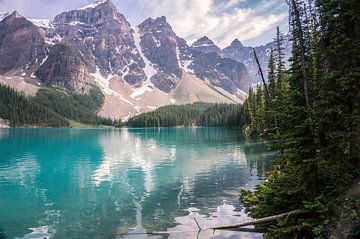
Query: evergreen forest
{"points": [[310, 113]]}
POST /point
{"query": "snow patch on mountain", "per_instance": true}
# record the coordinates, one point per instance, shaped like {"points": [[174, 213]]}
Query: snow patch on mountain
{"points": [[42, 23], [178, 56], [53, 40], [43, 60], [74, 23], [183, 64], [3, 15], [93, 5], [187, 65], [149, 69], [104, 83], [137, 108], [141, 90], [203, 45]]}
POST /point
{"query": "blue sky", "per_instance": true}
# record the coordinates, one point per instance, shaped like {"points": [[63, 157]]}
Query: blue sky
{"points": [[251, 21]]}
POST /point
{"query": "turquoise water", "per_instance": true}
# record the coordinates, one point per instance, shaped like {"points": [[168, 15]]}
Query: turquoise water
{"points": [[117, 183]]}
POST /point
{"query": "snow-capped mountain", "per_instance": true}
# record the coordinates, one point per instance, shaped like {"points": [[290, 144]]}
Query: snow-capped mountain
{"points": [[206, 45], [238, 52], [137, 68]]}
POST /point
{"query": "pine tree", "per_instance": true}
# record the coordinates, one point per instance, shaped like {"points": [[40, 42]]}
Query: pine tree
{"points": [[319, 118], [338, 88], [279, 55], [272, 75]]}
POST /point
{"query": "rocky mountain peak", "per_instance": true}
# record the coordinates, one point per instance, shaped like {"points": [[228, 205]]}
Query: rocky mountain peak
{"points": [[203, 41], [94, 13], [101, 35], [15, 14], [159, 44], [97, 4], [3, 15], [96, 45], [205, 45], [21, 43], [161, 20], [236, 43], [238, 52], [151, 24], [10, 18]]}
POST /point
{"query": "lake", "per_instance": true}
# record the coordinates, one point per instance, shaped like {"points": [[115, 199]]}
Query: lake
{"points": [[119, 183]]}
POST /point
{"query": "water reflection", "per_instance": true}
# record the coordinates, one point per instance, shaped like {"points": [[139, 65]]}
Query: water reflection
{"points": [[99, 183]]}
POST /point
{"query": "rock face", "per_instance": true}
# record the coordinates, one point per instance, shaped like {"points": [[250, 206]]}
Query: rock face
{"points": [[238, 52], [21, 43], [64, 67], [205, 45], [225, 73], [169, 55], [209, 64], [150, 54], [104, 38], [159, 45]]}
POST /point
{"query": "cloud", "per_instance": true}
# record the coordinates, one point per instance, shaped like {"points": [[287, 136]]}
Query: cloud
{"points": [[222, 20], [40, 8]]}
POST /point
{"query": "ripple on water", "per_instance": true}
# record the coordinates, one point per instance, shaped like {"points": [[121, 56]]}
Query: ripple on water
{"points": [[92, 183], [38, 233]]}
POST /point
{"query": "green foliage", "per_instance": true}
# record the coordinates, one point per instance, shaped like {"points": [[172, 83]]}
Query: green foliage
{"points": [[169, 116], [82, 108], [52, 107], [317, 107], [222, 115], [197, 114], [258, 121], [22, 111]]}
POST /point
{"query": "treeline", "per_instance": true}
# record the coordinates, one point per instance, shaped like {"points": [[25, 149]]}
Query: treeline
{"points": [[81, 108], [222, 115], [52, 107], [312, 113], [196, 114], [21, 111]]}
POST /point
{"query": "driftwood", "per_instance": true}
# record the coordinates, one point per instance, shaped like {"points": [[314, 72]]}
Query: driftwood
{"points": [[236, 227], [258, 221]]}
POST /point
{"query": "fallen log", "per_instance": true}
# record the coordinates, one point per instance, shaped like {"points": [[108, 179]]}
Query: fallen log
{"points": [[259, 221]]}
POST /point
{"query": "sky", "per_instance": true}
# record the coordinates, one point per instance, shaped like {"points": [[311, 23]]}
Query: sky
{"points": [[253, 22]]}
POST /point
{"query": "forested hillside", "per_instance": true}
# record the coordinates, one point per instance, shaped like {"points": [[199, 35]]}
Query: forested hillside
{"points": [[197, 114], [21, 111], [51, 107], [82, 108], [312, 111]]}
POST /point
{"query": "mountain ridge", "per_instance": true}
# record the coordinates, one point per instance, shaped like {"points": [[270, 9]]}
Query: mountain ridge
{"points": [[137, 68]]}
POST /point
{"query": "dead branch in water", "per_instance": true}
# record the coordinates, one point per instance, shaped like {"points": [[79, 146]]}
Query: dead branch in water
{"points": [[259, 221]]}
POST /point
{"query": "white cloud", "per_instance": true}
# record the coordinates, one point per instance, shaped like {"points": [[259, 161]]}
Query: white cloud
{"points": [[222, 22]]}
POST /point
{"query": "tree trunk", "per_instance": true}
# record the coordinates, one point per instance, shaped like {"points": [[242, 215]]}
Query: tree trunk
{"points": [[268, 97], [302, 52]]}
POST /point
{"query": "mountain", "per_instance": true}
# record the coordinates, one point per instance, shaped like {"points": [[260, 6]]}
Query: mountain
{"points": [[238, 52], [138, 69], [66, 68], [21, 44], [206, 45]]}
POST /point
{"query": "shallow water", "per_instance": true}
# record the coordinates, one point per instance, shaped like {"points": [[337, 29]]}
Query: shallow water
{"points": [[119, 183]]}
